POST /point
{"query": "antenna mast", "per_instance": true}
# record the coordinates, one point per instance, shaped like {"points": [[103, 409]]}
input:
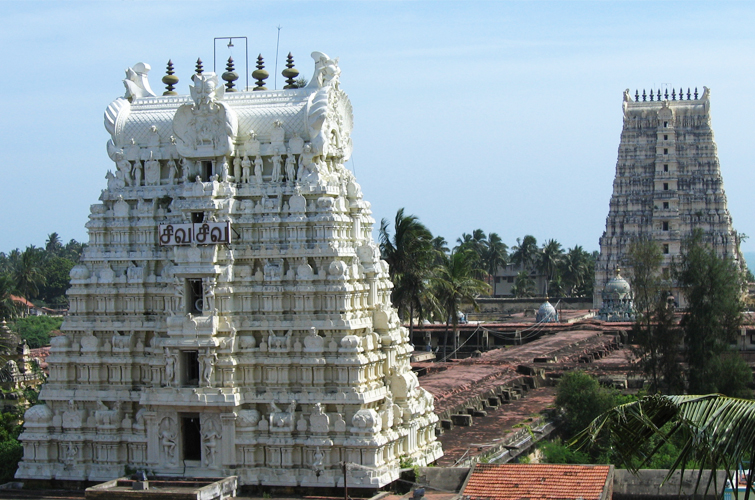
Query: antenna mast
{"points": [[277, 44]]}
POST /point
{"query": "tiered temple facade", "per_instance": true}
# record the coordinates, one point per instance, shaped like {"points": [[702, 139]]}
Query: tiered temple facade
{"points": [[668, 182], [231, 313]]}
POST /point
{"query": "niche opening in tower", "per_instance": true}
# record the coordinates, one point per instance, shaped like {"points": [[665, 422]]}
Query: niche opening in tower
{"points": [[197, 217], [206, 170], [190, 363], [195, 303], [192, 438]]}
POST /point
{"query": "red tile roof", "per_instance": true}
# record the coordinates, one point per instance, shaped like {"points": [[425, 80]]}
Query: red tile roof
{"points": [[538, 481]]}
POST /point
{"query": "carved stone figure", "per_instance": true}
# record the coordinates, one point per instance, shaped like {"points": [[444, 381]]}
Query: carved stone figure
{"points": [[136, 82], [172, 172], [258, 166], [185, 168], [290, 166], [319, 422], [207, 364], [277, 164], [168, 442], [170, 368], [282, 419], [124, 167], [237, 169], [246, 170], [223, 169], [206, 128], [209, 444], [137, 173]]}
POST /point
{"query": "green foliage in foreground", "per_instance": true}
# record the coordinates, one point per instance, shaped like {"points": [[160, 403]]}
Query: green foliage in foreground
{"points": [[11, 450], [711, 432], [36, 329]]}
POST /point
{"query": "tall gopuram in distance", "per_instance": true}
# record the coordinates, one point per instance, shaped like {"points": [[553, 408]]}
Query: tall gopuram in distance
{"points": [[668, 182], [231, 314]]}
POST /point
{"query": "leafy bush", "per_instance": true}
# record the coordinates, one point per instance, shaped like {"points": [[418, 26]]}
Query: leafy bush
{"points": [[36, 329], [11, 450], [556, 452]]}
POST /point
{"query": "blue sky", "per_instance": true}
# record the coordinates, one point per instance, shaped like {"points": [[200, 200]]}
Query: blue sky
{"points": [[503, 116]]}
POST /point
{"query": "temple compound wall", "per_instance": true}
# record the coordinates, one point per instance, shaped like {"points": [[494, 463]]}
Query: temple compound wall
{"points": [[231, 313], [668, 182]]}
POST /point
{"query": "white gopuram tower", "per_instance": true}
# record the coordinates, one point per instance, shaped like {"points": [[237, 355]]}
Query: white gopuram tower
{"points": [[668, 182], [231, 313]]}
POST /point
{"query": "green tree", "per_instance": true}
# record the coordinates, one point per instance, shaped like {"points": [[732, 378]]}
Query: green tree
{"points": [[477, 242], [454, 283], [53, 244], [643, 258], [668, 337], [8, 308], [732, 374], [525, 253], [440, 246], [549, 260], [410, 255], [581, 399], [27, 272], [57, 280], [713, 288], [572, 268], [524, 285], [496, 255], [11, 450], [36, 329]]}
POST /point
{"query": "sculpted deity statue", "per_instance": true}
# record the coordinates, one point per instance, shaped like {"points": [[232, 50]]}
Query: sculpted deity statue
{"points": [[170, 368], [209, 443], [124, 167], [277, 164], [138, 173], [152, 171], [172, 172], [223, 168], [208, 365], [290, 166], [258, 165], [305, 159], [246, 169], [185, 167], [237, 169], [168, 443]]}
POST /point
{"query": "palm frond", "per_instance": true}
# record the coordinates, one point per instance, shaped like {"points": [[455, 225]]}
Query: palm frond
{"points": [[719, 431]]}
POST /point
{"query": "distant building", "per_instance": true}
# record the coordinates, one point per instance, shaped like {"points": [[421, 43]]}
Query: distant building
{"points": [[668, 182], [503, 281]]}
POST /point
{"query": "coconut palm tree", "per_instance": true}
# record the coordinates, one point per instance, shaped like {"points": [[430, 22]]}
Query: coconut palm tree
{"points": [[440, 245], [573, 267], [525, 252], [478, 243], [548, 260], [409, 254], [496, 255], [455, 283], [53, 245], [718, 431], [8, 309], [27, 272], [524, 285]]}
